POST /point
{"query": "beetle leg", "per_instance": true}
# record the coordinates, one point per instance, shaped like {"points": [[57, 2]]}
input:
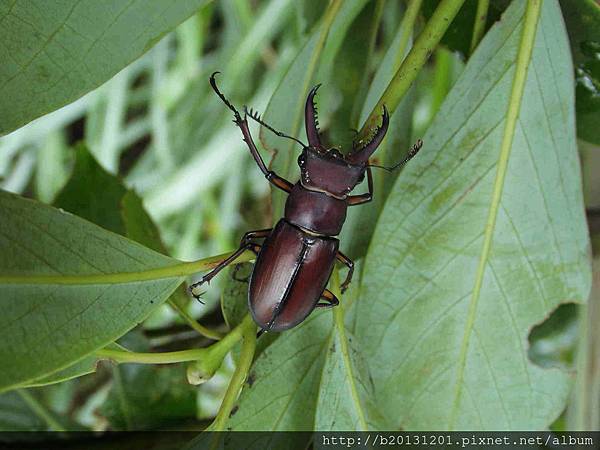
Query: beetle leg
{"points": [[352, 200], [254, 234], [242, 123], [260, 332], [350, 264], [210, 275], [330, 300]]}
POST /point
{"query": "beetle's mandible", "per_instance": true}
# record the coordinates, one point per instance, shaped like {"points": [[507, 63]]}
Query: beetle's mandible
{"points": [[296, 259]]}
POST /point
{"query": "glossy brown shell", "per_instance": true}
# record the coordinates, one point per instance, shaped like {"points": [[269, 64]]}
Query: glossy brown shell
{"points": [[315, 211], [290, 274]]}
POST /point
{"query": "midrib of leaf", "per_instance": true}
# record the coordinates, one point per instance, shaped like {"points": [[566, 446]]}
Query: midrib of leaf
{"points": [[532, 14], [177, 270], [338, 320]]}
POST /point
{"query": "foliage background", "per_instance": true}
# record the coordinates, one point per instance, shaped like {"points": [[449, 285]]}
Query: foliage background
{"points": [[150, 153]]}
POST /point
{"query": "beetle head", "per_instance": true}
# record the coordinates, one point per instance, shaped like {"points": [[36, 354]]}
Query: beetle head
{"points": [[328, 170]]}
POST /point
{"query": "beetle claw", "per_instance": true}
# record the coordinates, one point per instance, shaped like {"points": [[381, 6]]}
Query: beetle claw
{"points": [[198, 296]]}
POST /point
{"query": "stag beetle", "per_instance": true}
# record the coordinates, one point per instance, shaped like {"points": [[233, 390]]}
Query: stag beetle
{"points": [[296, 259]]}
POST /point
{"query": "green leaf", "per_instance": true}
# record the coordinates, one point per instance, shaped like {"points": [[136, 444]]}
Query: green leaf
{"points": [[234, 301], [92, 193], [346, 393], [450, 291], [583, 24], [83, 367], [16, 415], [53, 53], [69, 287], [148, 396]]}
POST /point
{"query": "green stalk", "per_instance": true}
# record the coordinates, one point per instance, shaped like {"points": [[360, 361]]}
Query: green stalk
{"points": [[414, 61], [532, 14], [239, 376], [201, 329], [480, 20], [177, 270], [208, 356], [40, 410], [407, 27]]}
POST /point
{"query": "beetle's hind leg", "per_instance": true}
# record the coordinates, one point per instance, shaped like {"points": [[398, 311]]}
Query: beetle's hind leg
{"points": [[254, 234], [261, 332], [210, 275], [330, 300], [348, 263]]}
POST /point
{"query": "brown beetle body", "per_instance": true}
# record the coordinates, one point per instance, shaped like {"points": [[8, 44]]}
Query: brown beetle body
{"points": [[290, 274], [297, 257]]}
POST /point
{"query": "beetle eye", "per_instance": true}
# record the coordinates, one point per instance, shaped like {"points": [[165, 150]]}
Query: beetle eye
{"points": [[301, 160]]}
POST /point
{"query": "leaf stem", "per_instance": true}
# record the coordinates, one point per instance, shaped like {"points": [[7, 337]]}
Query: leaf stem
{"points": [[414, 61], [239, 376], [177, 270], [532, 14], [193, 323], [208, 355], [40, 410], [480, 21]]}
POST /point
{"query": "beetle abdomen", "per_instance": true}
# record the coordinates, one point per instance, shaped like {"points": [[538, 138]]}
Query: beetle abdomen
{"points": [[290, 274]]}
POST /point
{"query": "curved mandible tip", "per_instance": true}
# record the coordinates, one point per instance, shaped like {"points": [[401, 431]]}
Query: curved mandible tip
{"points": [[311, 119], [362, 155], [213, 83]]}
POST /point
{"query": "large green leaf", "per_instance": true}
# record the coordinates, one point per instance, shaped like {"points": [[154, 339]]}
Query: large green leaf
{"points": [[583, 24], [68, 288], [54, 52], [444, 322]]}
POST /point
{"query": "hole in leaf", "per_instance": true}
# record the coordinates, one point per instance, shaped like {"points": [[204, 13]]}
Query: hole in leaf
{"points": [[552, 343]]}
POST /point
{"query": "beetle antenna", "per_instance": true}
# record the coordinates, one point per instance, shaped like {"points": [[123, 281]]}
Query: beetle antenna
{"points": [[255, 116], [411, 153]]}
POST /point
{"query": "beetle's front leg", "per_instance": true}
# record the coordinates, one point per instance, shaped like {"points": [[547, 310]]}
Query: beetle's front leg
{"points": [[242, 123], [330, 300], [210, 275], [352, 200], [350, 264]]}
